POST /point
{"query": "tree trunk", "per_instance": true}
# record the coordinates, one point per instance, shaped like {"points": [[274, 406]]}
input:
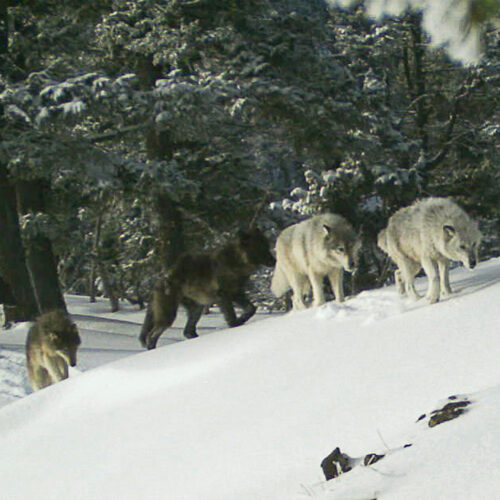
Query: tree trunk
{"points": [[12, 254], [40, 257], [171, 230], [95, 258], [159, 146], [98, 267]]}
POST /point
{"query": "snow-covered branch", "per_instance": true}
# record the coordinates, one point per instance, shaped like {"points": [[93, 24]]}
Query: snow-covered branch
{"points": [[456, 25]]}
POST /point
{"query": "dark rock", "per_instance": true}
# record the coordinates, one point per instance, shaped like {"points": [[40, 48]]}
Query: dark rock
{"points": [[448, 412], [371, 458], [335, 464]]}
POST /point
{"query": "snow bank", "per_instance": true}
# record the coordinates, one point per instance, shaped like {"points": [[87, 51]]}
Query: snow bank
{"points": [[13, 379], [455, 460], [249, 413]]}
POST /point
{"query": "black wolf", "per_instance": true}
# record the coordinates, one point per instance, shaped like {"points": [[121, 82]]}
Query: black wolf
{"points": [[200, 279]]}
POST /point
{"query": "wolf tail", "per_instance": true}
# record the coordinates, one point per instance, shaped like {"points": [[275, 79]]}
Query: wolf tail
{"points": [[382, 240], [161, 313], [279, 283]]}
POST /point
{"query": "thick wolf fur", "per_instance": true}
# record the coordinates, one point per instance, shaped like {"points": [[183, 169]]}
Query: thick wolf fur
{"points": [[51, 346], [428, 234], [201, 279], [306, 252]]}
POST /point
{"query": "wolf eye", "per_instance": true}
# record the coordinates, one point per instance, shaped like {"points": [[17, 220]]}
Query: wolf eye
{"points": [[340, 249], [462, 247]]}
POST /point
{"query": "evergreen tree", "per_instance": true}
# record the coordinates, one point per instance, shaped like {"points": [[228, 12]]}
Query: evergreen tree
{"points": [[130, 131]]}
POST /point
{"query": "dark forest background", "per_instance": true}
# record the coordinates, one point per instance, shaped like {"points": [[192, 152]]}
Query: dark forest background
{"points": [[131, 131]]}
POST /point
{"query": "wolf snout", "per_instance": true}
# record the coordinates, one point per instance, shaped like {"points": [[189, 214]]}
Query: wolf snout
{"points": [[351, 266], [472, 261]]}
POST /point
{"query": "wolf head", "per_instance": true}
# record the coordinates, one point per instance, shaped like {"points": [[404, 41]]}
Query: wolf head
{"points": [[65, 345], [61, 335], [461, 243], [342, 247], [256, 247]]}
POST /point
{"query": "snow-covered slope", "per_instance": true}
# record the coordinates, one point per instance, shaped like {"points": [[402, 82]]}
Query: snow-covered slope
{"points": [[249, 413]]}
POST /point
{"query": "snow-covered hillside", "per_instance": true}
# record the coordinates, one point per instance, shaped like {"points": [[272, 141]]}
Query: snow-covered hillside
{"points": [[249, 413]]}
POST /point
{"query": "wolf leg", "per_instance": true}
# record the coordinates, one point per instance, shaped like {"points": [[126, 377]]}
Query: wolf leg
{"points": [[160, 314], [226, 306], [336, 277], [57, 368], [316, 280], [194, 311], [39, 378], [411, 269], [444, 277], [431, 270], [300, 285], [407, 275], [249, 309], [400, 284], [149, 337]]}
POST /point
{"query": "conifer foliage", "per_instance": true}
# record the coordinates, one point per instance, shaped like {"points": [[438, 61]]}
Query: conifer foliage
{"points": [[130, 131]]}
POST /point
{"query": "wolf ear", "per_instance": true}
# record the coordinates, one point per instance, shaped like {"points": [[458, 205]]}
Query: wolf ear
{"points": [[449, 232], [327, 229]]}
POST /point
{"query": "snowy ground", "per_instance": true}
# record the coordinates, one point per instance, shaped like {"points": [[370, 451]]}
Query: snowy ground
{"points": [[106, 337], [249, 413]]}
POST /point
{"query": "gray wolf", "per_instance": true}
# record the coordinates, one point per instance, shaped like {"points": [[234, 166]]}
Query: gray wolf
{"points": [[200, 279], [51, 346], [306, 252], [429, 234]]}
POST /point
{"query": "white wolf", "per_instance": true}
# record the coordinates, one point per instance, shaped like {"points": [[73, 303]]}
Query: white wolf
{"points": [[428, 234], [306, 252]]}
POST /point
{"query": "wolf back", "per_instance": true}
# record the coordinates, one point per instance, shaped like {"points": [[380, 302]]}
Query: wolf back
{"points": [[200, 279], [428, 234], [306, 252]]}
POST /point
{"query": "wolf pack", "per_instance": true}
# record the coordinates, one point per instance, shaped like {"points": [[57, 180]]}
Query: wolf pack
{"points": [[427, 235]]}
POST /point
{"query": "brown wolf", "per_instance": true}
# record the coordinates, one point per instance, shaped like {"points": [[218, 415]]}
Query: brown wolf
{"points": [[51, 346], [200, 279]]}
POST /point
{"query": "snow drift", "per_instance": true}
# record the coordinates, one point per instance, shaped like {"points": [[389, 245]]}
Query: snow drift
{"points": [[249, 413]]}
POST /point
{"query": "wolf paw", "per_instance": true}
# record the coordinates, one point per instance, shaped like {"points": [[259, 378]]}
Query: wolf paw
{"points": [[432, 299]]}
